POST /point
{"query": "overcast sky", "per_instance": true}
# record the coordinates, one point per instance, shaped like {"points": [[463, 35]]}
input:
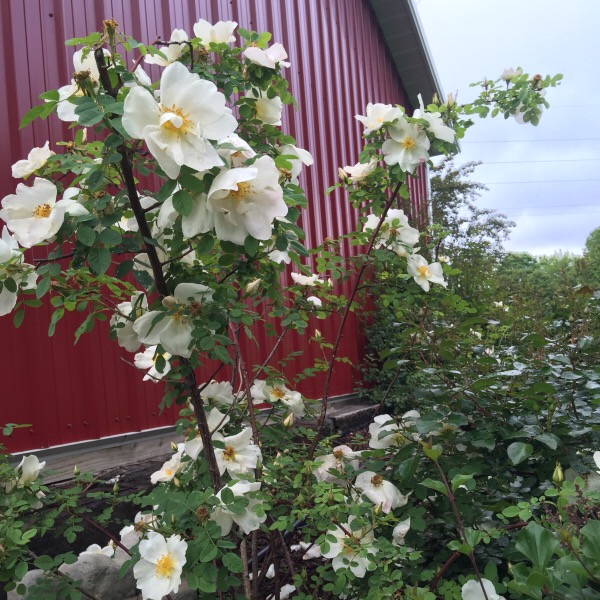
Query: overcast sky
{"points": [[545, 178]]}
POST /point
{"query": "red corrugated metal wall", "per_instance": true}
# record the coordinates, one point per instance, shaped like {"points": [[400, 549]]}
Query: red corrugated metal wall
{"points": [[339, 63]]}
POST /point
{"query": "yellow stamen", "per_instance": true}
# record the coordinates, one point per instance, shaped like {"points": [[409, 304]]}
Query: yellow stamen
{"points": [[277, 394], [409, 143], [243, 190], [186, 124], [42, 211], [165, 566], [229, 453], [423, 271], [377, 480]]}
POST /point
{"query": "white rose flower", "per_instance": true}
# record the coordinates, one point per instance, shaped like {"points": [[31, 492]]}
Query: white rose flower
{"points": [[147, 360], [509, 73], [407, 146], [235, 151], [96, 549], [35, 160], [424, 273], [240, 454], [219, 33], [269, 57], [338, 459], [277, 392], [385, 432], [395, 232], [379, 491], [246, 200], [302, 158], [400, 531], [172, 51], [268, 110], [310, 280], [316, 302], [12, 265], [65, 109], [377, 115], [33, 214], [348, 549], [472, 590], [436, 124], [177, 129], [279, 256], [174, 330], [216, 420], [360, 171], [123, 321], [158, 572], [169, 469], [248, 520], [217, 392]]}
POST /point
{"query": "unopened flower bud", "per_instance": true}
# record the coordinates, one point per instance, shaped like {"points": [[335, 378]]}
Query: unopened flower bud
{"points": [[245, 73], [509, 73], [169, 302], [110, 26], [377, 510], [450, 100], [176, 482], [202, 514], [76, 470], [289, 420], [343, 176], [174, 447], [318, 335], [115, 488], [252, 285], [435, 98], [558, 476]]}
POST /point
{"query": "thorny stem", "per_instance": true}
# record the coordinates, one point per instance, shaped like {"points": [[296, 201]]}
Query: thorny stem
{"points": [[161, 285], [105, 532], [245, 574], [336, 346], [460, 526]]}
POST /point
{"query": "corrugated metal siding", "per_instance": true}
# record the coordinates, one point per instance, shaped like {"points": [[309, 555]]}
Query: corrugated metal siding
{"points": [[339, 63]]}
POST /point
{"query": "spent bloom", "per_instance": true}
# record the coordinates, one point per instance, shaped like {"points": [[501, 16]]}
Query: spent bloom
{"points": [[172, 52], [123, 320], [177, 129], [35, 160], [269, 57], [400, 531], [298, 157], [424, 273], [219, 33], [158, 572], [377, 115], [33, 215], [509, 73], [379, 491], [277, 392], [96, 549], [308, 280]]}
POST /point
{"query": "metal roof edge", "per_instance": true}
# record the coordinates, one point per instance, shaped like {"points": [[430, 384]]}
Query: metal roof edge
{"points": [[403, 34]]}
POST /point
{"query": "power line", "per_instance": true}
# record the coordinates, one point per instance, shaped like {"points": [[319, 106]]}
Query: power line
{"points": [[538, 181], [545, 206], [593, 212], [507, 162], [530, 141]]}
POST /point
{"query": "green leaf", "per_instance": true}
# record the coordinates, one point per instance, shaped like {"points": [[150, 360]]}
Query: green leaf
{"points": [[536, 544], [90, 117], [548, 439], [86, 235], [31, 115], [99, 260], [205, 244], [436, 485], [42, 287], [109, 237], [518, 452], [591, 544], [124, 268], [251, 246], [192, 183], [18, 318], [459, 480], [183, 202], [233, 562]]}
